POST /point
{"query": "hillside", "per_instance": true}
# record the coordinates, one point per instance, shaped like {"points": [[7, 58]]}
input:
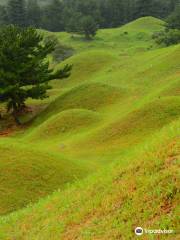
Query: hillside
{"points": [[140, 188], [111, 131]]}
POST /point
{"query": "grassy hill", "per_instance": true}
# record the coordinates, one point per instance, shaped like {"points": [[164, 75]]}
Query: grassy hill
{"points": [[28, 174], [116, 121], [139, 188]]}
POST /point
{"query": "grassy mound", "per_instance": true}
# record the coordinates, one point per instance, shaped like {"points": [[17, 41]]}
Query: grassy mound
{"points": [[90, 96], [137, 31], [139, 189], [147, 24], [66, 122], [135, 36], [87, 65], [140, 123], [28, 174]]}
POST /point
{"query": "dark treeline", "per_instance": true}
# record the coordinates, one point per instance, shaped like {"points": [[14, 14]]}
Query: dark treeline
{"points": [[77, 15]]}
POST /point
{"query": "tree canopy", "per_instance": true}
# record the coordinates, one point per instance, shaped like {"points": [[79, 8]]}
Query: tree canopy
{"points": [[173, 21], [171, 34], [58, 15], [24, 70]]}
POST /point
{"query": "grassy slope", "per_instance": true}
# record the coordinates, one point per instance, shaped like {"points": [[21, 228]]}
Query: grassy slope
{"points": [[140, 188], [114, 100], [28, 174]]}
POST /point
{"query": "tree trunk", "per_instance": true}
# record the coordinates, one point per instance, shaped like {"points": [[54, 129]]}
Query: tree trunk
{"points": [[87, 36], [15, 115]]}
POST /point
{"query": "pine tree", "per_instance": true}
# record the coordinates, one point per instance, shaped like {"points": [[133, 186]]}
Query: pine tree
{"points": [[116, 12], [129, 7], [52, 16], [3, 15], [33, 13], [17, 12], [173, 21], [74, 22], [58, 15], [24, 73], [88, 27], [144, 8], [173, 4]]}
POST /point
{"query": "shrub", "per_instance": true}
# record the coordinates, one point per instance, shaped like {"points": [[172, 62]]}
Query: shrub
{"points": [[167, 38], [61, 52]]}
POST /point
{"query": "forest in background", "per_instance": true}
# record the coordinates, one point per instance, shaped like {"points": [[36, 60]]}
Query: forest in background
{"points": [[68, 15]]}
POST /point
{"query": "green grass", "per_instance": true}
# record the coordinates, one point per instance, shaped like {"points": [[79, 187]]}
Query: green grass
{"points": [[28, 174], [88, 96], [115, 121], [66, 122], [139, 188], [137, 39], [140, 122]]}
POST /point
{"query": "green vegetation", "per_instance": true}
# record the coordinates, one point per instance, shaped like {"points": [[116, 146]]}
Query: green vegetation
{"points": [[140, 188], [83, 25], [113, 126], [16, 12], [66, 122], [80, 15], [171, 35], [28, 174], [28, 74], [173, 21]]}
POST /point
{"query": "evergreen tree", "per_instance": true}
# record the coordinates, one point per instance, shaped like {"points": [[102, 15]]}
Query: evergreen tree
{"points": [[144, 8], [173, 21], [129, 7], [73, 22], [17, 12], [173, 4], [88, 8], [3, 15], [171, 35], [115, 13], [52, 16], [58, 15], [33, 13], [88, 27], [24, 73]]}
